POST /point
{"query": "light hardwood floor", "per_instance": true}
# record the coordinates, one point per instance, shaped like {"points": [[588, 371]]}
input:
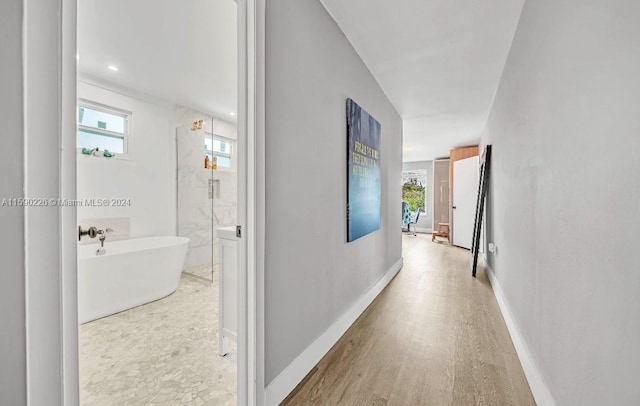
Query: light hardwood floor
{"points": [[434, 336]]}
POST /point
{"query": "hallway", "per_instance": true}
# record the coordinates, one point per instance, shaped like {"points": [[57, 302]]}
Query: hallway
{"points": [[434, 336]]}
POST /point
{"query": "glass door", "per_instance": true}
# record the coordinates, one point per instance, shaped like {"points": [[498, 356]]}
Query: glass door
{"points": [[196, 191]]}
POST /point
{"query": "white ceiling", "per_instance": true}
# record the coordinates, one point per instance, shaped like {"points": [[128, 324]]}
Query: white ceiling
{"points": [[183, 51], [438, 61]]}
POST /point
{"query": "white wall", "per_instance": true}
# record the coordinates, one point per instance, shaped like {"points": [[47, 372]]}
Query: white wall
{"points": [[564, 206], [425, 222], [147, 177], [12, 275], [312, 275]]}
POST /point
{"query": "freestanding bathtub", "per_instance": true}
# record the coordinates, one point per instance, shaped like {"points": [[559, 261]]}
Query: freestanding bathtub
{"points": [[129, 274]]}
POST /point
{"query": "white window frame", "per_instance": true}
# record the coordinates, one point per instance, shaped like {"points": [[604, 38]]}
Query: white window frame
{"points": [[109, 110], [231, 156]]}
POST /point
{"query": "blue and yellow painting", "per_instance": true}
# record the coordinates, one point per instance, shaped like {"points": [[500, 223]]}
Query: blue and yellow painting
{"points": [[364, 182]]}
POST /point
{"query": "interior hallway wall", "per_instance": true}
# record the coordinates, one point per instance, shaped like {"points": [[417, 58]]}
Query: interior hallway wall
{"points": [[312, 275], [13, 373], [564, 205]]}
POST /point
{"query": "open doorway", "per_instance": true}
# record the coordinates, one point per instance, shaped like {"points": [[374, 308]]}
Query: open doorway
{"points": [[157, 175], [414, 200]]}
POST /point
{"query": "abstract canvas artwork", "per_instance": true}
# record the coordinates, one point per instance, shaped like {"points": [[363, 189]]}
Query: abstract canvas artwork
{"points": [[363, 177]]}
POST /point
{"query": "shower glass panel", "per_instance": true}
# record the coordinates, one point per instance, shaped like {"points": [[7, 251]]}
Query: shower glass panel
{"points": [[206, 195], [196, 192]]}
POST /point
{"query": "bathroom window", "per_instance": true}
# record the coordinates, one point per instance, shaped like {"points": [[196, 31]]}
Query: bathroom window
{"points": [[221, 148], [102, 127]]}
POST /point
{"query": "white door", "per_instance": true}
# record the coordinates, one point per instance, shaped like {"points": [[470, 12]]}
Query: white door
{"points": [[465, 194]]}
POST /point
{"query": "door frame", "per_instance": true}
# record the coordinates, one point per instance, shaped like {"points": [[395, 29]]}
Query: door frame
{"points": [[251, 172], [49, 57]]}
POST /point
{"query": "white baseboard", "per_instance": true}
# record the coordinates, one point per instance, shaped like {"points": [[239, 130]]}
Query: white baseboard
{"points": [[539, 388], [292, 375], [424, 230]]}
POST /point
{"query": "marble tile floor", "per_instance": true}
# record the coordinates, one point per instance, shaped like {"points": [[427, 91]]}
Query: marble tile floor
{"points": [[161, 353]]}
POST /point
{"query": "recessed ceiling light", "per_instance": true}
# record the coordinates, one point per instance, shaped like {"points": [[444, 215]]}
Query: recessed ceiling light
{"points": [[113, 68], [232, 114]]}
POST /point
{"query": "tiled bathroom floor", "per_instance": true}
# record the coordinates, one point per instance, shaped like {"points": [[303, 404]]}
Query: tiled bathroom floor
{"points": [[161, 353]]}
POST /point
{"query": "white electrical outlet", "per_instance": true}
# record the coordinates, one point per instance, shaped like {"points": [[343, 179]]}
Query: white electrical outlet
{"points": [[492, 247]]}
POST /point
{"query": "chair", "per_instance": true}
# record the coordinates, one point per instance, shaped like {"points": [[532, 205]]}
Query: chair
{"points": [[406, 213], [413, 221], [442, 231]]}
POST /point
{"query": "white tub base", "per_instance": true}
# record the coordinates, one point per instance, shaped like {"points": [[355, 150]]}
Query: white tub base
{"points": [[130, 274]]}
